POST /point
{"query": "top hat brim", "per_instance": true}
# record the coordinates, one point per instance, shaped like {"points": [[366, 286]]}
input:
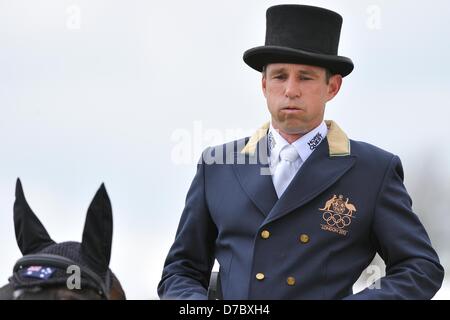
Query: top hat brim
{"points": [[259, 57]]}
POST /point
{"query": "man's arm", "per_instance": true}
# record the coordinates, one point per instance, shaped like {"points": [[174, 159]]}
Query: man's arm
{"points": [[188, 265], [413, 270]]}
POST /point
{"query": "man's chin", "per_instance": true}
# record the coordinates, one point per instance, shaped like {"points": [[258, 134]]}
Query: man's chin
{"points": [[295, 127]]}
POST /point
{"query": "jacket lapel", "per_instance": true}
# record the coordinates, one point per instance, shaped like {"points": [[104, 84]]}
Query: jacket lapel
{"points": [[254, 175]]}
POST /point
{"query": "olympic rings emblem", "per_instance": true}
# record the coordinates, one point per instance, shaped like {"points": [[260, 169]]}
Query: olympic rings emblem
{"points": [[336, 220]]}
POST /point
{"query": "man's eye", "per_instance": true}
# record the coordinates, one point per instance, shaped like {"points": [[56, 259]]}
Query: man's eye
{"points": [[279, 77], [305, 78]]}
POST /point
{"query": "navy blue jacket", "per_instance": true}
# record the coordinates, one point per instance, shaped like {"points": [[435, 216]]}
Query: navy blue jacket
{"points": [[346, 203]]}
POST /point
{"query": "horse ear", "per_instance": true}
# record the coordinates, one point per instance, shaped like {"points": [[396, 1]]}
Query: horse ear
{"points": [[31, 235], [97, 233]]}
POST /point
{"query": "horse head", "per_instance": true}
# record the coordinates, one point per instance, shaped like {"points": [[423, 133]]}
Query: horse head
{"points": [[66, 270]]}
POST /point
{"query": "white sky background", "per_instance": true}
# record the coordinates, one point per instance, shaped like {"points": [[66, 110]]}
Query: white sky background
{"points": [[111, 100]]}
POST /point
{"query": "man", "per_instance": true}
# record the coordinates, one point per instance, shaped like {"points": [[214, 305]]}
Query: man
{"points": [[305, 218]]}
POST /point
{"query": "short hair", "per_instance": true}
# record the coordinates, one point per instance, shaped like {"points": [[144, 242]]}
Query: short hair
{"points": [[328, 73]]}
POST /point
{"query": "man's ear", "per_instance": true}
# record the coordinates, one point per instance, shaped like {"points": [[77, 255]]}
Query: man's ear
{"points": [[264, 83], [334, 85]]}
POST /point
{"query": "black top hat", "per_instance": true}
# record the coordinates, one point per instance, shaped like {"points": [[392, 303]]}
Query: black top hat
{"points": [[301, 34]]}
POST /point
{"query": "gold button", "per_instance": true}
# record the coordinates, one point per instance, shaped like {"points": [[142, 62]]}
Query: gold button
{"points": [[260, 276], [290, 281], [265, 234], [304, 238]]}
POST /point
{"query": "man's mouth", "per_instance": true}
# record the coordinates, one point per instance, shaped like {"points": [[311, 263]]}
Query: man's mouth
{"points": [[292, 108]]}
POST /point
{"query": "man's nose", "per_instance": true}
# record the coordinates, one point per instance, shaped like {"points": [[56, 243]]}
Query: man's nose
{"points": [[292, 89]]}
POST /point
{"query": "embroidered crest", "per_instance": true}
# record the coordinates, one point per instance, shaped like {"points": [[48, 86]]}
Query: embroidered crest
{"points": [[314, 142], [337, 214]]}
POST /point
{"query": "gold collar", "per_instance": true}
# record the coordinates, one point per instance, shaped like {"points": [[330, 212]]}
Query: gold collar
{"points": [[338, 142]]}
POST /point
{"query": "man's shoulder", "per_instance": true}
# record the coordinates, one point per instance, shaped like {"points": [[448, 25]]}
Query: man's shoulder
{"points": [[231, 147], [224, 153], [366, 150]]}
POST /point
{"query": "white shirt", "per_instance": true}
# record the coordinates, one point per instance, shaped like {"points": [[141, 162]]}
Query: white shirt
{"points": [[304, 147]]}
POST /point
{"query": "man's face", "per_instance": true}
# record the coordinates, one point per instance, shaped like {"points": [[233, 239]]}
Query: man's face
{"points": [[296, 96]]}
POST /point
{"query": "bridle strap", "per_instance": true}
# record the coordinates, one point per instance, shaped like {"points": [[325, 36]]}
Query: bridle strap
{"points": [[56, 261]]}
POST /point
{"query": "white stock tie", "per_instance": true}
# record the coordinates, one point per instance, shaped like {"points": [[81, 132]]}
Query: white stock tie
{"points": [[286, 168]]}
